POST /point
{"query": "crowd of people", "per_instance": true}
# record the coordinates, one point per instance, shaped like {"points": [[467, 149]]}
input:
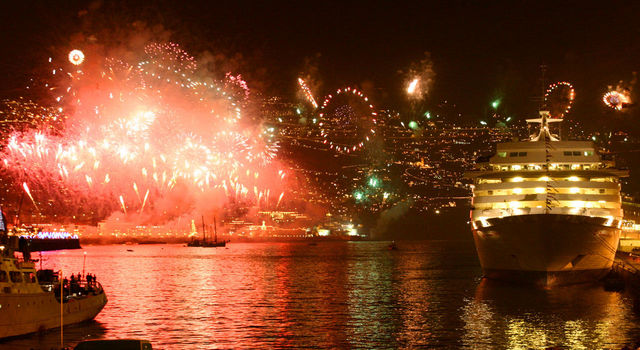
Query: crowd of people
{"points": [[79, 284]]}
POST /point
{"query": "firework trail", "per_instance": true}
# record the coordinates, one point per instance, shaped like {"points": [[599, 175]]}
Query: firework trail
{"points": [[26, 189], [152, 123], [307, 93]]}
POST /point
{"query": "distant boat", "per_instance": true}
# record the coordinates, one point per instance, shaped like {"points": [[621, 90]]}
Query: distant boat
{"points": [[204, 242], [392, 246]]}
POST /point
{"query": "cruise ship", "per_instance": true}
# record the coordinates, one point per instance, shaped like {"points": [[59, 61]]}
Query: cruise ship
{"points": [[546, 211]]}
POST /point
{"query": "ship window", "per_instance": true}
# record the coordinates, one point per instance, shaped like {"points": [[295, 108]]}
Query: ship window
{"points": [[490, 192], [522, 154], [566, 153], [502, 154], [588, 153], [29, 277], [3, 276], [576, 153], [602, 190], [489, 181], [513, 154], [16, 276]]}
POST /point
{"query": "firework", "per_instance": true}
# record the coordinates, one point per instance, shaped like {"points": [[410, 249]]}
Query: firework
{"points": [[236, 81], [152, 125], [419, 78], [616, 99], [307, 92], [413, 85], [343, 127], [76, 57], [566, 100]]}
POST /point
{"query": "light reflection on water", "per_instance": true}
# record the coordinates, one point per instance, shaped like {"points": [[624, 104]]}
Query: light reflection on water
{"points": [[333, 295], [577, 317]]}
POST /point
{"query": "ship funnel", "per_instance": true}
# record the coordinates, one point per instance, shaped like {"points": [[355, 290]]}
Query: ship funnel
{"points": [[544, 132]]}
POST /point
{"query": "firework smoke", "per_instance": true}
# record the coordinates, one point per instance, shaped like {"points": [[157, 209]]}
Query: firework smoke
{"points": [[146, 123]]}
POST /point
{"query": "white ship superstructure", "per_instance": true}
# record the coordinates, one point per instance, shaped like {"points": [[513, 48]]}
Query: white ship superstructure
{"points": [[546, 209], [37, 300]]}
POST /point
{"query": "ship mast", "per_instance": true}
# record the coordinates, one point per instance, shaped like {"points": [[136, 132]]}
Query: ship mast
{"points": [[544, 134], [215, 229], [204, 236]]}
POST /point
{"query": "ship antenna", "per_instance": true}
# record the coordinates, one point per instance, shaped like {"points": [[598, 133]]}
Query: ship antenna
{"points": [[543, 87]]}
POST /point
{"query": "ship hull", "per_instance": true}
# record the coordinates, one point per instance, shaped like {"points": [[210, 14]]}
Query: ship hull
{"points": [[546, 249], [29, 313]]}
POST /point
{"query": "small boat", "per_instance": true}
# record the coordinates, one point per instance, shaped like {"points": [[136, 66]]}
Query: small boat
{"points": [[392, 246], [120, 344], [204, 242]]}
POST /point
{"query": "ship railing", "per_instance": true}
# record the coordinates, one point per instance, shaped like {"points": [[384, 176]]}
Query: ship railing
{"points": [[73, 290]]}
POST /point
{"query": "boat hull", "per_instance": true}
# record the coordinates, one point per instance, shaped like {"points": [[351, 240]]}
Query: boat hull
{"points": [[29, 313], [546, 249]]}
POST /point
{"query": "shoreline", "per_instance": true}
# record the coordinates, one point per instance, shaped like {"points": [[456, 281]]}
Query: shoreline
{"points": [[230, 239]]}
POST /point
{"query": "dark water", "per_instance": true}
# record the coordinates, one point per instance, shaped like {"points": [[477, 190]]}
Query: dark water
{"points": [[426, 294]]}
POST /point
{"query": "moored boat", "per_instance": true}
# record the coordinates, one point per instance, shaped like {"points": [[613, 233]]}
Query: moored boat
{"points": [[32, 300], [546, 211], [208, 243]]}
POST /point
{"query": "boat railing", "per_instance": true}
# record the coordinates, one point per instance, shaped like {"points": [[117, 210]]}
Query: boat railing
{"points": [[73, 289]]}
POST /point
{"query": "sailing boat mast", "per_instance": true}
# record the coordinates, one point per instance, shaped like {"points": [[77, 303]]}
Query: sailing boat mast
{"points": [[215, 229], [204, 236]]}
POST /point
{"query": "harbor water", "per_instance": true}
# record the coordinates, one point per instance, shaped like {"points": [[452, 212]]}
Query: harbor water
{"points": [[425, 294]]}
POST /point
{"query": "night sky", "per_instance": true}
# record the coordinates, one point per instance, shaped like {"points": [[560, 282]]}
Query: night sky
{"points": [[480, 50]]}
